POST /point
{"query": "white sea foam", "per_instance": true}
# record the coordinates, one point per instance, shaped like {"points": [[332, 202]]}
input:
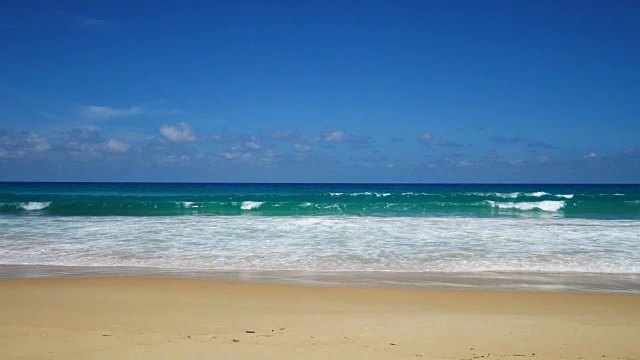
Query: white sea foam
{"points": [[567, 196], [369, 193], [34, 205], [361, 193], [187, 204], [547, 205], [332, 243], [248, 205], [538, 194], [336, 194], [512, 195], [419, 194]]}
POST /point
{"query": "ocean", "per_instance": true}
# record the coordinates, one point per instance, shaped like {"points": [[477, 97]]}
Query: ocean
{"points": [[536, 237]]}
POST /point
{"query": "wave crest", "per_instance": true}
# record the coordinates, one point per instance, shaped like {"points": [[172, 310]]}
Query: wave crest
{"points": [[547, 205], [34, 205], [248, 205]]}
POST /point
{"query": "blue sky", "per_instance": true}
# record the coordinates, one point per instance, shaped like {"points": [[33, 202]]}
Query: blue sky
{"points": [[320, 91]]}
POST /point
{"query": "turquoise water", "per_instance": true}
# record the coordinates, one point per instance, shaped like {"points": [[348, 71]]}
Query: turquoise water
{"points": [[384, 228], [139, 199]]}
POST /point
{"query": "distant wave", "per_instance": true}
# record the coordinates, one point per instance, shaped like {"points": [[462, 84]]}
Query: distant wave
{"points": [[248, 205], [551, 206], [339, 200], [538, 194], [24, 206], [568, 196], [368, 193], [34, 205]]}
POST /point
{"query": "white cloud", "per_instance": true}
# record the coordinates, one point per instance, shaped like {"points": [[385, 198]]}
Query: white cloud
{"points": [[82, 150], [19, 145], [334, 136], [329, 135], [301, 148], [237, 154], [592, 156], [448, 143], [180, 132], [87, 143], [465, 163], [86, 133], [232, 153], [425, 137], [37, 143], [107, 112], [174, 159], [253, 143], [271, 154], [116, 146]]}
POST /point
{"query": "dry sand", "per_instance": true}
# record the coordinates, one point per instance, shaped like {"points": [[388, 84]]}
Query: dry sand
{"points": [[196, 319]]}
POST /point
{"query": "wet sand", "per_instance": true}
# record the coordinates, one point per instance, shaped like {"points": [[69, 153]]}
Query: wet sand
{"points": [[151, 318]]}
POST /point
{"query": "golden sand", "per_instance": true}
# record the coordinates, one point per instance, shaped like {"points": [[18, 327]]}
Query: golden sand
{"points": [[197, 319]]}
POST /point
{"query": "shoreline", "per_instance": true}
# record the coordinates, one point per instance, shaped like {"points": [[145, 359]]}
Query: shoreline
{"points": [[580, 283], [156, 318]]}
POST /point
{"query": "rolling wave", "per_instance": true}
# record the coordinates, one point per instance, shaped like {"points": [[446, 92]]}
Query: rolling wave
{"points": [[320, 200]]}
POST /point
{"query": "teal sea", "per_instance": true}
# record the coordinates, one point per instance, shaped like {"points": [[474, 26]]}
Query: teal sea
{"points": [[536, 230], [388, 200]]}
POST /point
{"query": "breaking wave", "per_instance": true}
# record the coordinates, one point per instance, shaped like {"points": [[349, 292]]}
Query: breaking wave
{"points": [[551, 206], [248, 205], [323, 200], [34, 205]]}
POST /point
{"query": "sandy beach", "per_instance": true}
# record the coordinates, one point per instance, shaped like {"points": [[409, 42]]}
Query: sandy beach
{"points": [[111, 318]]}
